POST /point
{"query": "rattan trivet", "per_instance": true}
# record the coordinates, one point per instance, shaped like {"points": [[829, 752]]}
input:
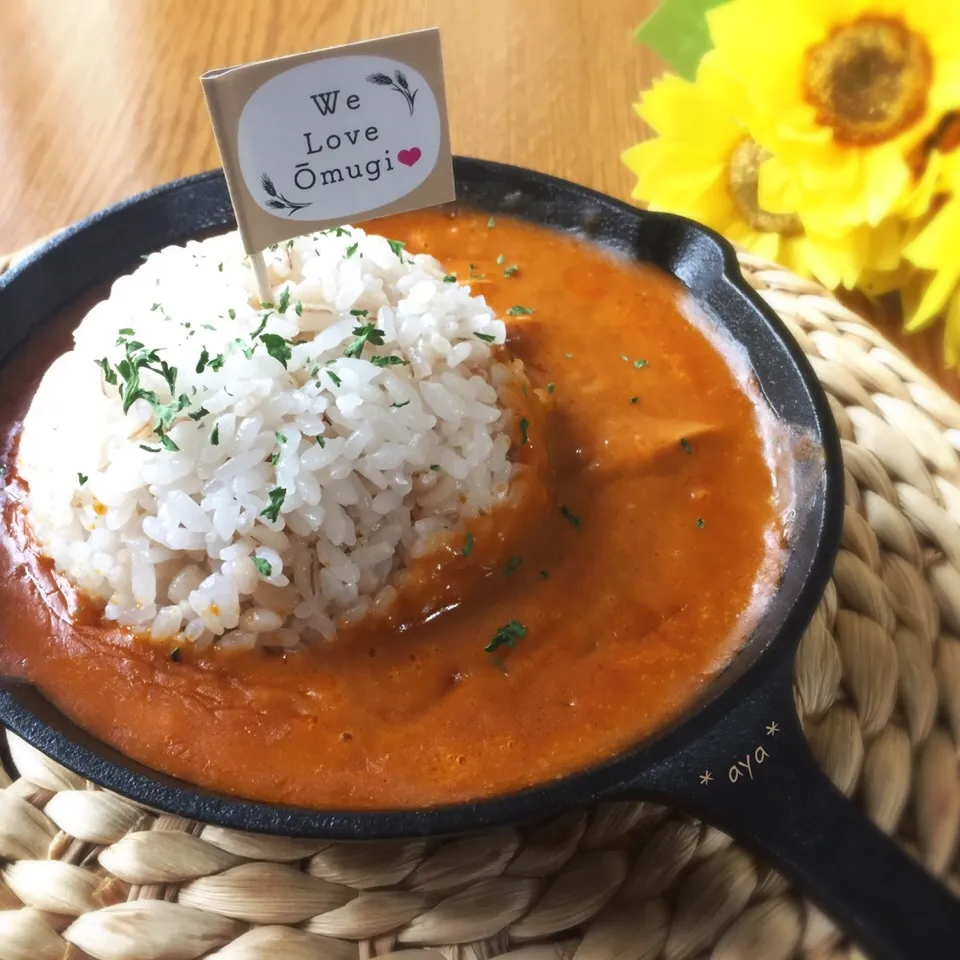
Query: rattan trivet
{"points": [[877, 682]]}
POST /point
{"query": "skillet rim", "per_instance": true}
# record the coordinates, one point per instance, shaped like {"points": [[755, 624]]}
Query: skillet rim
{"points": [[27, 713]]}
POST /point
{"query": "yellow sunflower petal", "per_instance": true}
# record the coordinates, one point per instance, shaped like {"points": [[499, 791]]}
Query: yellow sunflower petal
{"points": [[951, 333]]}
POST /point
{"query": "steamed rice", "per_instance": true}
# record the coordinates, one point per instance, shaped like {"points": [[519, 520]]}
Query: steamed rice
{"points": [[362, 465]]}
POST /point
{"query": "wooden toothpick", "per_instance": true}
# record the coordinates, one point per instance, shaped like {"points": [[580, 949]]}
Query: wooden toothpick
{"points": [[263, 280]]}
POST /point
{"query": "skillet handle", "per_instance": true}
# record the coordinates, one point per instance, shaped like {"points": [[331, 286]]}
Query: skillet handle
{"points": [[769, 794]]}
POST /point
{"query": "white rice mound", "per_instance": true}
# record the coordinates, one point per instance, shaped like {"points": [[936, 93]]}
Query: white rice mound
{"points": [[180, 543]]}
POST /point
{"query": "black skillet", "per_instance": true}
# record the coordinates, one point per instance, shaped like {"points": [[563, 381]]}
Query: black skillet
{"points": [[738, 758]]}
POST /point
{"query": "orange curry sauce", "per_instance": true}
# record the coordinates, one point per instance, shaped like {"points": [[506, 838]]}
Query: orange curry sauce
{"points": [[633, 597]]}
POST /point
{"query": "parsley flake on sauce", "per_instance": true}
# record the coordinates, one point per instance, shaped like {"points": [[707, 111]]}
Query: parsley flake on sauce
{"points": [[450, 278], [272, 510], [263, 566], [640, 364], [524, 427], [701, 523], [571, 518], [518, 311], [634, 399], [686, 445], [511, 565], [551, 387], [492, 222], [83, 478], [500, 260], [511, 270], [468, 545], [175, 655], [507, 636], [544, 574]]}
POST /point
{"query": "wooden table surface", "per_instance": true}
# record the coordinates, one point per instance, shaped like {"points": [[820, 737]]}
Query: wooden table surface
{"points": [[100, 98]]}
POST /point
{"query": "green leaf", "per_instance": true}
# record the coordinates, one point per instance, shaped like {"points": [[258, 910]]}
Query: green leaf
{"points": [[677, 31]]}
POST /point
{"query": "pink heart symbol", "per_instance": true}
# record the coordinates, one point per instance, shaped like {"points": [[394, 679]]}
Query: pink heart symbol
{"points": [[409, 157]]}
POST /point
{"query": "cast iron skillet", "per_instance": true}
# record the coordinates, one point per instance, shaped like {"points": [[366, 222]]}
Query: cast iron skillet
{"points": [[738, 759]]}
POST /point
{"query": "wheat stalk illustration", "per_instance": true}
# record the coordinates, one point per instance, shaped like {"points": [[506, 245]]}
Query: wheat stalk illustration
{"points": [[397, 82], [277, 200]]}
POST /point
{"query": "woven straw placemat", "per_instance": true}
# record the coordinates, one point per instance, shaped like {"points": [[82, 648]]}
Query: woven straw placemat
{"points": [[86, 873]]}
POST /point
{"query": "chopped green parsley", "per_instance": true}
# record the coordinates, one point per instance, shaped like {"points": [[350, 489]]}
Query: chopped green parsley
{"points": [[468, 545], [486, 337], [351, 250], [284, 301], [336, 380], [368, 333], [215, 435], [278, 347], [686, 445], [507, 636], [83, 478], [571, 518], [518, 311], [450, 278], [701, 523], [550, 387], [492, 222], [640, 364], [512, 565], [389, 361], [397, 247], [263, 566], [511, 270], [524, 427], [400, 405], [272, 510]]}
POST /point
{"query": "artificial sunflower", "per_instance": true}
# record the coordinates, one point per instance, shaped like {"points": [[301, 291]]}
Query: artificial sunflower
{"points": [[934, 251], [705, 165], [843, 97]]}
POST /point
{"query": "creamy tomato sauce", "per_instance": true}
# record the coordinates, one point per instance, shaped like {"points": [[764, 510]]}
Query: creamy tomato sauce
{"points": [[633, 567]]}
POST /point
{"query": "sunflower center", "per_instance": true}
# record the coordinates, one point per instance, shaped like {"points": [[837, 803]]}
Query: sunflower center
{"points": [[744, 176], [868, 80]]}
